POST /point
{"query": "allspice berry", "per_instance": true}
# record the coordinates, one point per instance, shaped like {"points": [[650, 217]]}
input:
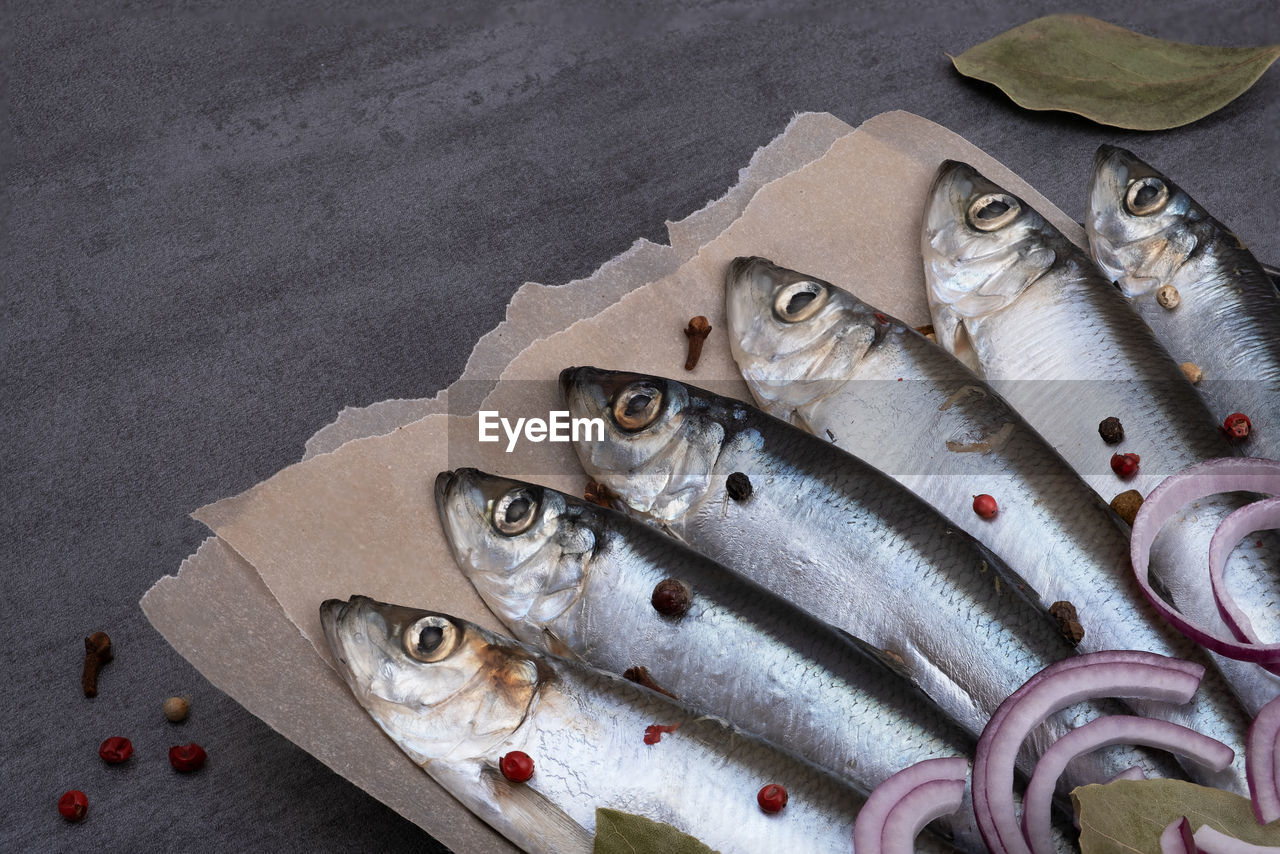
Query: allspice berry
{"points": [[1168, 297], [671, 598], [176, 708], [1111, 431], [1127, 504]]}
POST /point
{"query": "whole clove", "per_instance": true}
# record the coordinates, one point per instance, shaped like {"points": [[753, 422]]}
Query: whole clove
{"points": [[640, 676], [697, 331], [97, 652]]}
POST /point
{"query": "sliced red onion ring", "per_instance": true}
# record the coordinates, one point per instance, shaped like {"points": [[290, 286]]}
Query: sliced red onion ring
{"points": [[1037, 804], [1113, 673], [1258, 516], [1208, 478], [882, 806], [1262, 762], [1211, 841], [1177, 838], [920, 806]]}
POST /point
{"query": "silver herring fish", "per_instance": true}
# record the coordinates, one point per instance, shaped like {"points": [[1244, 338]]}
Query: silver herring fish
{"points": [[1195, 284], [457, 698]]}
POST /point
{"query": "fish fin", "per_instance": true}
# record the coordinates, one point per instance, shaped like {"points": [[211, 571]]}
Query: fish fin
{"points": [[534, 818], [953, 336], [887, 658], [557, 647]]}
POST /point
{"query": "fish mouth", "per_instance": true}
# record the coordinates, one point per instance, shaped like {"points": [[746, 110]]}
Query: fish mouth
{"points": [[334, 614], [743, 263], [444, 482]]}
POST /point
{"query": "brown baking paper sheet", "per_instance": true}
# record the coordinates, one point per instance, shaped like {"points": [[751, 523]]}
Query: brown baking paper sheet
{"points": [[538, 310], [361, 519]]}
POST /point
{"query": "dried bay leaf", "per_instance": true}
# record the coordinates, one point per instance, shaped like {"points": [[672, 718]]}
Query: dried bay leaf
{"points": [[1129, 815], [1112, 75], [623, 833]]}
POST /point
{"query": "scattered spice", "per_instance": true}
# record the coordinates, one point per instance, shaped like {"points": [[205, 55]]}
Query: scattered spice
{"points": [[1111, 430], [880, 318], [187, 757], [1125, 465], [654, 732], [176, 709], [1127, 504], [738, 486], [1168, 297], [97, 652], [115, 750], [927, 331], [1192, 372], [73, 805], [1068, 621], [1237, 426], [985, 506], [772, 798], [516, 766], [697, 331], [640, 676], [671, 598], [598, 493]]}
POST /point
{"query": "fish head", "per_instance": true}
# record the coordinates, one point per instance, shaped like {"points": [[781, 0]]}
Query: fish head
{"points": [[521, 545], [1137, 221], [982, 248], [796, 338], [442, 688], [658, 451]]}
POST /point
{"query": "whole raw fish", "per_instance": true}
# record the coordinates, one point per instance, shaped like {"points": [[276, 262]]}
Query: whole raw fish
{"points": [[1029, 311], [886, 394], [579, 580], [457, 698], [832, 535], [1223, 313]]}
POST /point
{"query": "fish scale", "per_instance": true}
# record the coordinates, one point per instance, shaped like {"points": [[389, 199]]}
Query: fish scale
{"points": [[1025, 341], [1051, 528], [900, 579]]}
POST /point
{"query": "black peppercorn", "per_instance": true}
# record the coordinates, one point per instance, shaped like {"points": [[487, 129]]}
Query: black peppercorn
{"points": [[1111, 430], [671, 598], [738, 486]]}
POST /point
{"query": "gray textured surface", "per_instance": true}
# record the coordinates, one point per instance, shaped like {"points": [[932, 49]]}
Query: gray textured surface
{"points": [[223, 224]]}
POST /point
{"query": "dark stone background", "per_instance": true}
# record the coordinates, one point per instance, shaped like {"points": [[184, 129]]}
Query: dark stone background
{"points": [[222, 223]]}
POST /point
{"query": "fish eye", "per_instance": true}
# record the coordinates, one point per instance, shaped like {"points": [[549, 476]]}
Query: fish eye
{"points": [[637, 406], [1146, 196], [431, 639], [514, 512], [799, 301], [993, 211]]}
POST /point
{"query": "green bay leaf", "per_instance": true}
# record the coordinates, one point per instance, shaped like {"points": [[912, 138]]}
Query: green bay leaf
{"points": [[1112, 75], [623, 833], [1128, 816]]}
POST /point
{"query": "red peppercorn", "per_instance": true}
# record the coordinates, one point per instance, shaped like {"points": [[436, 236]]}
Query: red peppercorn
{"points": [[115, 750], [187, 757], [73, 805], [1237, 425], [985, 506], [516, 766], [1125, 465], [772, 798]]}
